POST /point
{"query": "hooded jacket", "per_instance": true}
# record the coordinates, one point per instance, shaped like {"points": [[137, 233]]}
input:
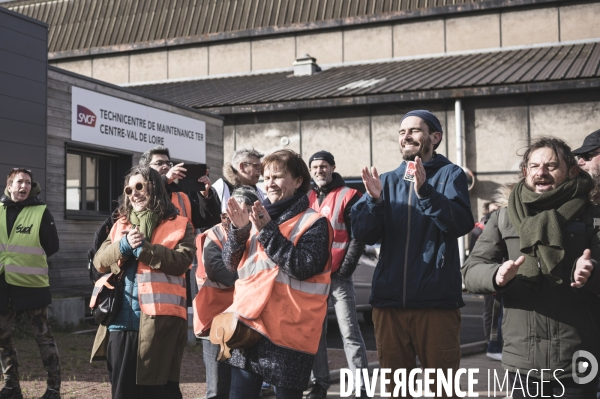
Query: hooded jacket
{"points": [[542, 325], [26, 298], [419, 264]]}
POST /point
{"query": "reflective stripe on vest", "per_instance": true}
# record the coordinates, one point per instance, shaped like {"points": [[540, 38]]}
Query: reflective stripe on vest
{"points": [[289, 312], [333, 207], [101, 282], [159, 294], [212, 298], [183, 204], [22, 257]]}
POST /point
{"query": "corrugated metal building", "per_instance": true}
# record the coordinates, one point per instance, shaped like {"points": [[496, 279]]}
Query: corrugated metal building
{"points": [[515, 68]]}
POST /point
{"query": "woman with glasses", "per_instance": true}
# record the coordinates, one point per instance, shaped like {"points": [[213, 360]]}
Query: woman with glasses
{"points": [[153, 246]]}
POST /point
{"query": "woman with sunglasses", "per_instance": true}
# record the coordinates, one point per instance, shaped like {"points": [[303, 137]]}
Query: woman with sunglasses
{"points": [[153, 246], [281, 252]]}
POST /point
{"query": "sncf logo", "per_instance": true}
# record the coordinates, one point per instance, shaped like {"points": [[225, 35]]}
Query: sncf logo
{"points": [[85, 116]]}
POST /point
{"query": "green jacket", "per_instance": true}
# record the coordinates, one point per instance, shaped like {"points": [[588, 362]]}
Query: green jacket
{"points": [[542, 327]]}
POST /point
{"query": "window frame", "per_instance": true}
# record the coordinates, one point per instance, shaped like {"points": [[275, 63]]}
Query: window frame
{"points": [[117, 160]]}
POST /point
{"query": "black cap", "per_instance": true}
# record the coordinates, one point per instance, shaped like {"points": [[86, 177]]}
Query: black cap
{"points": [[591, 142], [322, 156]]}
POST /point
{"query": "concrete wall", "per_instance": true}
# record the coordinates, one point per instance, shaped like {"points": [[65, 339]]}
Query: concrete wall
{"points": [[68, 267], [495, 132], [435, 35]]}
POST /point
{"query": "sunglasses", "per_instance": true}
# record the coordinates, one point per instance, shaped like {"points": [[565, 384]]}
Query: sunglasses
{"points": [[588, 157], [27, 170], [138, 187]]}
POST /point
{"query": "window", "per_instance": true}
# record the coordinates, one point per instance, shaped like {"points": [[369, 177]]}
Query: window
{"points": [[92, 183]]}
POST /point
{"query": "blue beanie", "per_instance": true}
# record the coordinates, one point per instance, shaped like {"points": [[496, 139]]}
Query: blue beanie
{"points": [[430, 119]]}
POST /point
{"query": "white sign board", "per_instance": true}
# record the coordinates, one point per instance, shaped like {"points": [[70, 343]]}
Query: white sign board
{"points": [[112, 122]]}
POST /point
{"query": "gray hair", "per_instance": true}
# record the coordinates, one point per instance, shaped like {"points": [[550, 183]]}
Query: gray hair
{"points": [[246, 194], [146, 157], [243, 154]]}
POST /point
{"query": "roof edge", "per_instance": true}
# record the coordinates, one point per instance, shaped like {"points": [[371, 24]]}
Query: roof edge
{"points": [[134, 92], [4, 8], [366, 62], [458, 93], [468, 8]]}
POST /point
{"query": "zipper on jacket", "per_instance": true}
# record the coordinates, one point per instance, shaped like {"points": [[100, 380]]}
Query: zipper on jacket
{"points": [[410, 192]]}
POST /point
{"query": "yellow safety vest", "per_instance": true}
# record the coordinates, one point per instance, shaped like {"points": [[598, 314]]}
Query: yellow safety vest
{"points": [[22, 258]]}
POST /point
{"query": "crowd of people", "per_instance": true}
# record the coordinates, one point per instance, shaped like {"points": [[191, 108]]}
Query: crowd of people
{"points": [[258, 265]]}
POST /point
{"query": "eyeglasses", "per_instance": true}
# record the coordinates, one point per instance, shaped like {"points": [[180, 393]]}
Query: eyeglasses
{"points": [[254, 165], [588, 157], [160, 164], [138, 187]]}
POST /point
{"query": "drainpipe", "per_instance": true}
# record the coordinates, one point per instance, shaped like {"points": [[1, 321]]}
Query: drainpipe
{"points": [[459, 162]]}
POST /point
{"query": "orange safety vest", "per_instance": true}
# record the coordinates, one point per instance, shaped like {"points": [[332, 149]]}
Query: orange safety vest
{"points": [[183, 204], [287, 311], [159, 294], [212, 298], [332, 208]]}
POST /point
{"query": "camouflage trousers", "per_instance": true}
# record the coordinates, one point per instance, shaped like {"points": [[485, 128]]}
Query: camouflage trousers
{"points": [[45, 341]]}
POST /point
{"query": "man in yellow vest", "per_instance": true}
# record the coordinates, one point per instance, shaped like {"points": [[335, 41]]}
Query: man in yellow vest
{"points": [[27, 237], [333, 199]]}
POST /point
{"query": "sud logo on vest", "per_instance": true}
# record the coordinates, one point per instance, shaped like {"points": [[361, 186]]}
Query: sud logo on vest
{"points": [[85, 116], [24, 229]]}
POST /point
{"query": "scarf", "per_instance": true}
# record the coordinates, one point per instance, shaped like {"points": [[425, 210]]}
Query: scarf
{"points": [[540, 219], [275, 210], [146, 222]]}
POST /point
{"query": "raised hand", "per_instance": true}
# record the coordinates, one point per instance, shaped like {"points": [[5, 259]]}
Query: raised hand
{"points": [[583, 269], [176, 172], [508, 271], [420, 176], [206, 181], [371, 181], [237, 214], [259, 216]]}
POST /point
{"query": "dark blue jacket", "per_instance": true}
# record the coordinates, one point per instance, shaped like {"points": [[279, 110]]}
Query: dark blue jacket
{"points": [[419, 264]]}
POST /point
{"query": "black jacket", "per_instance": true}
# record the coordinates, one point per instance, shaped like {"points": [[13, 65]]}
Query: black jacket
{"points": [[355, 248], [206, 212], [25, 298]]}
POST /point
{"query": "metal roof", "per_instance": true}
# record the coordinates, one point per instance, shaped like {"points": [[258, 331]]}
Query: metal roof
{"points": [[496, 72], [84, 24]]}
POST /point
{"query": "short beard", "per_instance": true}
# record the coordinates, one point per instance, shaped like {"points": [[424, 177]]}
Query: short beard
{"points": [[595, 193], [424, 148]]}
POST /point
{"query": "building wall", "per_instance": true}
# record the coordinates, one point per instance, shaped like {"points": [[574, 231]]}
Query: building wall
{"points": [[414, 37], [23, 65], [68, 267], [495, 133]]}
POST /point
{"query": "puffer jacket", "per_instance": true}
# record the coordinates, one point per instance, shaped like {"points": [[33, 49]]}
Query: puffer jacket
{"points": [[419, 265], [542, 325]]}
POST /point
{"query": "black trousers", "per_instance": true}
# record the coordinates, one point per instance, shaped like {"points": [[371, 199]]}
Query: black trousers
{"points": [[121, 359]]}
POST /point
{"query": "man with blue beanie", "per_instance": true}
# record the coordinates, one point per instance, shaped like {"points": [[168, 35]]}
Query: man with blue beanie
{"points": [[418, 214]]}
